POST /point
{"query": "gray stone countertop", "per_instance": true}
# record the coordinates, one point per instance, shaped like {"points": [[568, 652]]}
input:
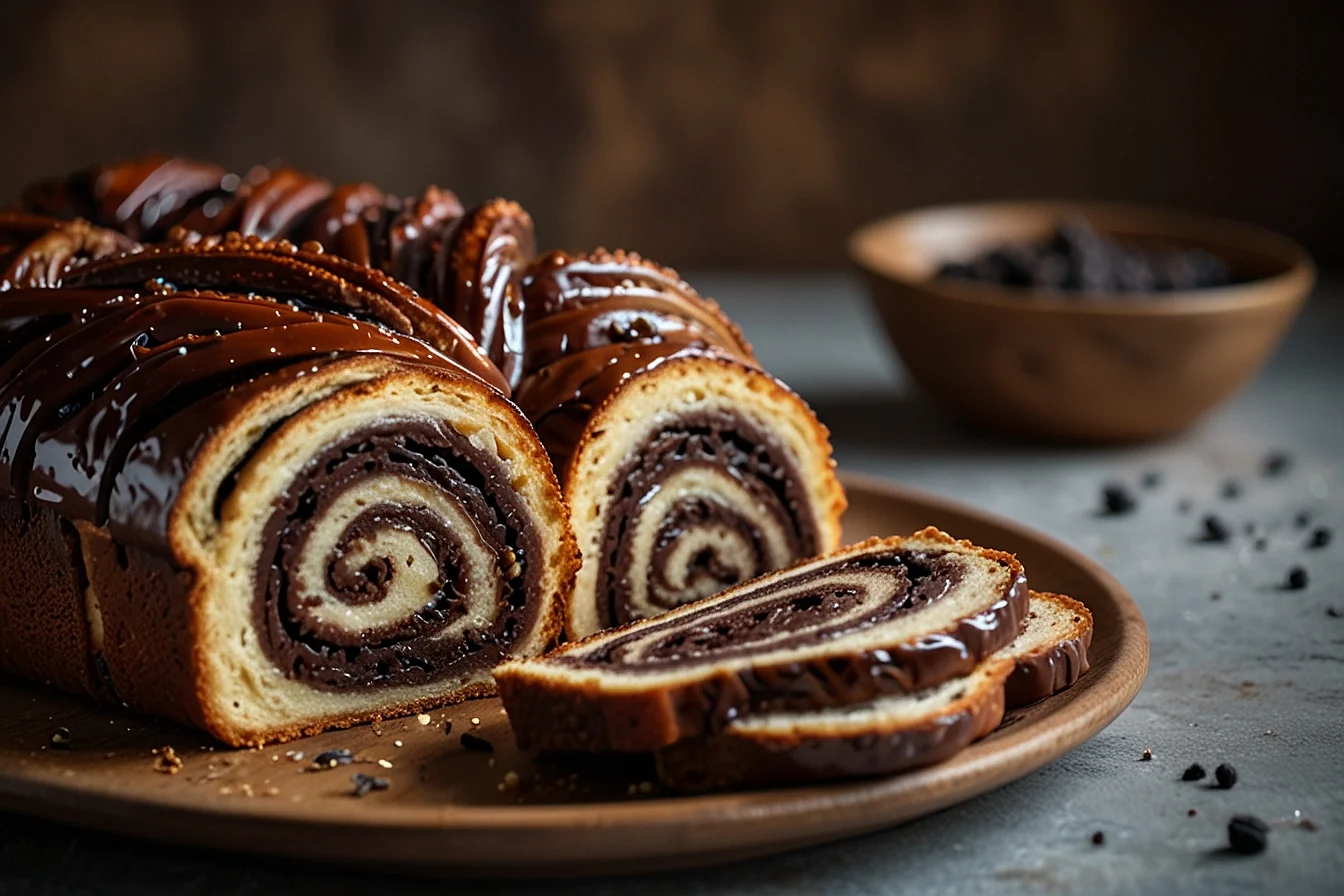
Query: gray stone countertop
{"points": [[1254, 678]]}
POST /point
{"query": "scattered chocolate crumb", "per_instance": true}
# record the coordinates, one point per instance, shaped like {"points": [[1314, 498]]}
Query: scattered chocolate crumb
{"points": [[366, 784], [1231, 489], [1185, 505], [478, 744], [1226, 776], [1194, 773], [1247, 835], [1215, 531], [1297, 579], [1320, 537], [1261, 543], [1333, 612], [1098, 839], [1147, 756], [333, 758], [1216, 596], [1151, 479], [61, 739], [167, 761], [1191, 812], [1275, 462], [1116, 500], [448, 726], [1302, 520]]}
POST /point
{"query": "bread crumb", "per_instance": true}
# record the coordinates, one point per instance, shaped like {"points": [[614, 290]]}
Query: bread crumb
{"points": [[384, 763], [167, 761], [423, 718]]}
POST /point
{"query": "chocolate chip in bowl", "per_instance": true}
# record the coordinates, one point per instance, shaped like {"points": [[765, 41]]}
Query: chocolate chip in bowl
{"points": [[1063, 362]]}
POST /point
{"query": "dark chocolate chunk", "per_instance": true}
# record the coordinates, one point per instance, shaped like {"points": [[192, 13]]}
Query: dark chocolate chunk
{"points": [[1151, 479], [448, 726], [1146, 756], [1216, 596], [1247, 835], [1333, 612], [1231, 489], [61, 739], [1191, 812], [1226, 776], [1275, 462], [366, 784], [1320, 537], [1116, 500], [478, 744], [1215, 531], [1098, 839], [1297, 579], [1194, 773], [333, 758]]}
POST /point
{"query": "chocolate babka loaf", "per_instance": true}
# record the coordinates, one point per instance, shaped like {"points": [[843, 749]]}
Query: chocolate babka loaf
{"points": [[895, 733], [686, 467], [265, 492], [466, 262], [893, 615]]}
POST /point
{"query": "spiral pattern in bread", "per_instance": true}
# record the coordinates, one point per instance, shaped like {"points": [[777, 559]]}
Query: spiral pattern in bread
{"points": [[275, 492], [687, 467]]}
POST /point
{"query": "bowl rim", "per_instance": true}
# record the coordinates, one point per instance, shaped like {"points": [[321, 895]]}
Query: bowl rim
{"points": [[1297, 278]]}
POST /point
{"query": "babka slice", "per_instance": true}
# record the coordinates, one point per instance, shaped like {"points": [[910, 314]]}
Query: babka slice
{"points": [[265, 492], [884, 616], [896, 733], [687, 467]]}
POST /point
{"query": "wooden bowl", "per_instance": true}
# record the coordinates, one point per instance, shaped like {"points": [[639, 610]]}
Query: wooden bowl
{"points": [[1107, 368]]}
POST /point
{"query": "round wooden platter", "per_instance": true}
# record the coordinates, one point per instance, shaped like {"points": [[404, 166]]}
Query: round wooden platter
{"points": [[459, 811]]}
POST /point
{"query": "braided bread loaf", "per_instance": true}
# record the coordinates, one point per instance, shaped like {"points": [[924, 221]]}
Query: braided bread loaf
{"points": [[265, 492]]}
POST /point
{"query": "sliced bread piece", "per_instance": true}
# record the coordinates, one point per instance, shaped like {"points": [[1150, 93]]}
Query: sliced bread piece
{"points": [[895, 733], [885, 616]]}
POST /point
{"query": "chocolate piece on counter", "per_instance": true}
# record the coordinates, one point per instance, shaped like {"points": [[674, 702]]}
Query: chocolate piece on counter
{"points": [[366, 784], [1275, 463], [1116, 500], [447, 726], [1226, 776], [1297, 579], [1194, 772], [1216, 595], [1320, 537], [476, 744], [1215, 531], [1334, 612], [1098, 839], [332, 758], [1146, 755], [1247, 835]]}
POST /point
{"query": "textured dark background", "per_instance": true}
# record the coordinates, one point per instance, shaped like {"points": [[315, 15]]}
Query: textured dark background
{"points": [[746, 132]]}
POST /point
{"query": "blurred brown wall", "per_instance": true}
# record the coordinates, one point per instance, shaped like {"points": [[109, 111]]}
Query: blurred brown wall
{"points": [[701, 132]]}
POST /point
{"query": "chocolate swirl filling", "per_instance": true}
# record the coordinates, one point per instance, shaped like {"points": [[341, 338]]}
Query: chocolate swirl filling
{"points": [[398, 556], [795, 611], [707, 503]]}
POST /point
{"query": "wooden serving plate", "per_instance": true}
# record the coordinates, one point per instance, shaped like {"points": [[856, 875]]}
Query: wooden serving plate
{"points": [[451, 810]]}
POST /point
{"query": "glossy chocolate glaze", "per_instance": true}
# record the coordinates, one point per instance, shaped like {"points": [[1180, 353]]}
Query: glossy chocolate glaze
{"points": [[407, 652], [1037, 677], [823, 612], [733, 446], [469, 266]]}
